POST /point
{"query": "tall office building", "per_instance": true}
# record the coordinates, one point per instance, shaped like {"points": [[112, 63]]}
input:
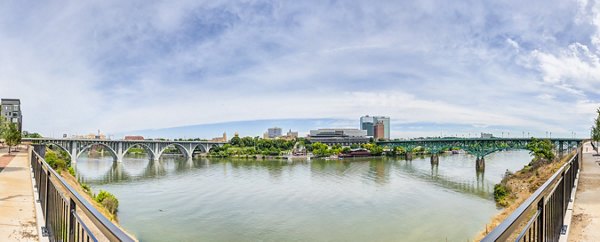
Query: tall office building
{"points": [[379, 131], [11, 111], [274, 132], [368, 123]]}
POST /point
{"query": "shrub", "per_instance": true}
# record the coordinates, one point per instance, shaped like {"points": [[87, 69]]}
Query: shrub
{"points": [[501, 193], [71, 171], [108, 200], [86, 188]]}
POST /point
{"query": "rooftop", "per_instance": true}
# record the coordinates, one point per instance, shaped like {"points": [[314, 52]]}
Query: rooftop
{"points": [[10, 100]]}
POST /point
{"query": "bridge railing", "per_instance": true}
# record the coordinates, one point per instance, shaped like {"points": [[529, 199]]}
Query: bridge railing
{"points": [[61, 207], [540, 217]]}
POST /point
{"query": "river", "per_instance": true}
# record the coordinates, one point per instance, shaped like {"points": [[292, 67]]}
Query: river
{"points": [[366, 199]]}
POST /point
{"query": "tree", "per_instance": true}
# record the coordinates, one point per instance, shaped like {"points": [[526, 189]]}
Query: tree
{"points": [[320, 149], [32, 135], [541, 149], [596, 130], [398, 150], [12, 136], [235, 141], [3, 127]]}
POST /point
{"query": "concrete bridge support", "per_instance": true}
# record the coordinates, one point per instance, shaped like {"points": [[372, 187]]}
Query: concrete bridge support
{"points": [[435, 159], [408, 156], [480, 164]]}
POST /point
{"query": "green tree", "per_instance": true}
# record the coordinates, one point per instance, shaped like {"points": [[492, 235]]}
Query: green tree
{"points": [[12, 136], [541, 149], [32, 135], [235, 141], [398, 150], [247, 142], [596, 130], [3, 127], [373, 148], [320, 149]]}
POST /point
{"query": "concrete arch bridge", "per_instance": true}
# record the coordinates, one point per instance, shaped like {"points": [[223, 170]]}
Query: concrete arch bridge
{"points": [[479, 147], [118, 148]]}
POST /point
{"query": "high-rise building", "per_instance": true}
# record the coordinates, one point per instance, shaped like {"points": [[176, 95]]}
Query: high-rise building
{"points": [[368, 123], [379, 131], [274, 132], [11, 111]]}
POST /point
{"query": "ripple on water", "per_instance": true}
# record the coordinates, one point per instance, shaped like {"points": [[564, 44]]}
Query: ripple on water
{"points": [[349, 200]]}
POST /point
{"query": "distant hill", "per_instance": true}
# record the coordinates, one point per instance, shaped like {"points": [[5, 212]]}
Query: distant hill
{"points": [[244, 128]]}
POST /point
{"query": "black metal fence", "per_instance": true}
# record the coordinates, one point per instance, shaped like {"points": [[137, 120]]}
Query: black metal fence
{"points": [[540, 217], [61, 205]]}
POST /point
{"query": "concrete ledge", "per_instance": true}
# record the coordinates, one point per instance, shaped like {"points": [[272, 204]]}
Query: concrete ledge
{"points": [[39, 216], [569, 215]]}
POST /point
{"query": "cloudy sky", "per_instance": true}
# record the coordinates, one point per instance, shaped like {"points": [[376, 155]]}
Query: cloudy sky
{"points": [[433, 66]]}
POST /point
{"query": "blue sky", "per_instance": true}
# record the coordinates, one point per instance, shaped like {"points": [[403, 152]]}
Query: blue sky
{"points": [[433, 66]]}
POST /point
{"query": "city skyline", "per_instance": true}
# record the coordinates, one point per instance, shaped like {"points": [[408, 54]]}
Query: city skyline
{"points": [[491, 66]]}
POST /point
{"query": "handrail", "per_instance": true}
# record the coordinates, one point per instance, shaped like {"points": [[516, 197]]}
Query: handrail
{"points": [[503, 231], [108, 229]]}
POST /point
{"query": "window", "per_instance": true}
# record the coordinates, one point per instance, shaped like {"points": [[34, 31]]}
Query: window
{"points": [[15, 120]]}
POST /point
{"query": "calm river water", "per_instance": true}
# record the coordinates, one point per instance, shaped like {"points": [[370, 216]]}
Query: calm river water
{"points": [[371, 199]]}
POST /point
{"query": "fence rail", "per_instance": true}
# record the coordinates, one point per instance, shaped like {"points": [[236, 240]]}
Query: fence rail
{"points": [[540, 218], [60, 206]]}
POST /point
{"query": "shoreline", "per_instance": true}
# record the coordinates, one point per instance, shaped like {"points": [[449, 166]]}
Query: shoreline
{"points": [[523, 184]]}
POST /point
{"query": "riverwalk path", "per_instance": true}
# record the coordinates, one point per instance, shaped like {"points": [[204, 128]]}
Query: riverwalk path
{"points": [[17, 212], [585, 224]]}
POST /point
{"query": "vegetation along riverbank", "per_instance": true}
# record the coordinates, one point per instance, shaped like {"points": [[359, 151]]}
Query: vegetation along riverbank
{"points": [[104, 201], [516, 187]]}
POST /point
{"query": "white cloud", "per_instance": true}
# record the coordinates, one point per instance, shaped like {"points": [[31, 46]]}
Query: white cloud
{"points": [[117, 66]]}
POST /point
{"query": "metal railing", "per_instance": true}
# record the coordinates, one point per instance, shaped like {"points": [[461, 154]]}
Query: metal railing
{"points": [[60, 206], [540, 217]]}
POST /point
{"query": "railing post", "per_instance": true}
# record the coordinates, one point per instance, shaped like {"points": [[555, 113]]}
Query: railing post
{"points": [[46, 195], [72, 209], [541, 223]]}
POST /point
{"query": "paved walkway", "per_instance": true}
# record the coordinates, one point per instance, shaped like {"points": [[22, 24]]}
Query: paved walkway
{"points": [[17, 214], [585, 225]]}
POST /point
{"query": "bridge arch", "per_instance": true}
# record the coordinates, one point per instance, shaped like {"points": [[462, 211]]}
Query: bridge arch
{"points": [[62, 147], [143, 146], [180, 147], [111, 151], [203, 148], [57, 145]]}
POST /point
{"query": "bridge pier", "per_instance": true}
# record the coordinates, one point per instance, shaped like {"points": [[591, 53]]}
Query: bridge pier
{"points": [[480, 164], [74, 153], [435, 159], [408, 155]]}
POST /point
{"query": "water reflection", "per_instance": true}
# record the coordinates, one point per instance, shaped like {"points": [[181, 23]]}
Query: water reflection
{"points": [[376, 170], [369, 199]]}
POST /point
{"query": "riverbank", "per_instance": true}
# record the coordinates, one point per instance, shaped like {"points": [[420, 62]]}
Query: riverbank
{"points": [[62, 166], [520, 186]]}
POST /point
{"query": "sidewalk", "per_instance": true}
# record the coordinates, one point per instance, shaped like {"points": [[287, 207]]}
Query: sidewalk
{"points": [[585, 225], [17, 214]]}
